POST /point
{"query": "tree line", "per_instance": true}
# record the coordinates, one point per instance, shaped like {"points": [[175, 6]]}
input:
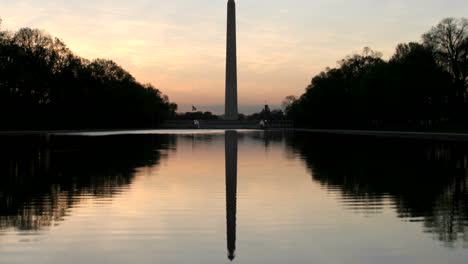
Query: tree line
{"points": [[44, 85], [423, 85]]}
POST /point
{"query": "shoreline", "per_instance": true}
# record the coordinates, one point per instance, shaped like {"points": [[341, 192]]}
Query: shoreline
{"points": [[64, 131], [444, 136], [392, 134]]}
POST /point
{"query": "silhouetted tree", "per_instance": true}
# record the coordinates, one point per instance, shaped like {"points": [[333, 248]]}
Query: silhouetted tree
{"points": [[421, 86], [288, 101], [449, 41], [332, 97], [424, 88], [44, 85]]}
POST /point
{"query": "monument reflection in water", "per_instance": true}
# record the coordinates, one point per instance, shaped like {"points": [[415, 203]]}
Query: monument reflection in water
{"points": [[231, 190]]}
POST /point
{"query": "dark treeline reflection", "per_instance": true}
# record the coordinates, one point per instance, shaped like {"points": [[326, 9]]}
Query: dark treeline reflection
{"points": [[423, 181], [44, 85], [41, 177]]}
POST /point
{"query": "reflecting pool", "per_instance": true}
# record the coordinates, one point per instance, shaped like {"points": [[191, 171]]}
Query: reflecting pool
{"points": [[231, 196]]}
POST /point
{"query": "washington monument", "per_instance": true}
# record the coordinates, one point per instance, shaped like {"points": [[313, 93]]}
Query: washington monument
{"points": [[231, 112]]}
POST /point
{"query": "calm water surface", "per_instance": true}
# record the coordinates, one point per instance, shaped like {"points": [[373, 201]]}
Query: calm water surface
{"points": [[250, 196]]}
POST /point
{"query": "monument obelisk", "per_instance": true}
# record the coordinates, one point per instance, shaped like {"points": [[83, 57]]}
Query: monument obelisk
{"points": [[231, 111]]}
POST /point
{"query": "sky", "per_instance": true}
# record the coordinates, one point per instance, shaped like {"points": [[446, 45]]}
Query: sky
{"points": [[179, 45]]}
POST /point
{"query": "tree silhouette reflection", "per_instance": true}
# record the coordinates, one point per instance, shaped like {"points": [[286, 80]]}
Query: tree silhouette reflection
{"points": [[424, 181], [42, 177]]}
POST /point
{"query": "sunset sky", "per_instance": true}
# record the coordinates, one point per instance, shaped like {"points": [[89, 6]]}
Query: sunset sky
{"points": [[179, 45]]}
